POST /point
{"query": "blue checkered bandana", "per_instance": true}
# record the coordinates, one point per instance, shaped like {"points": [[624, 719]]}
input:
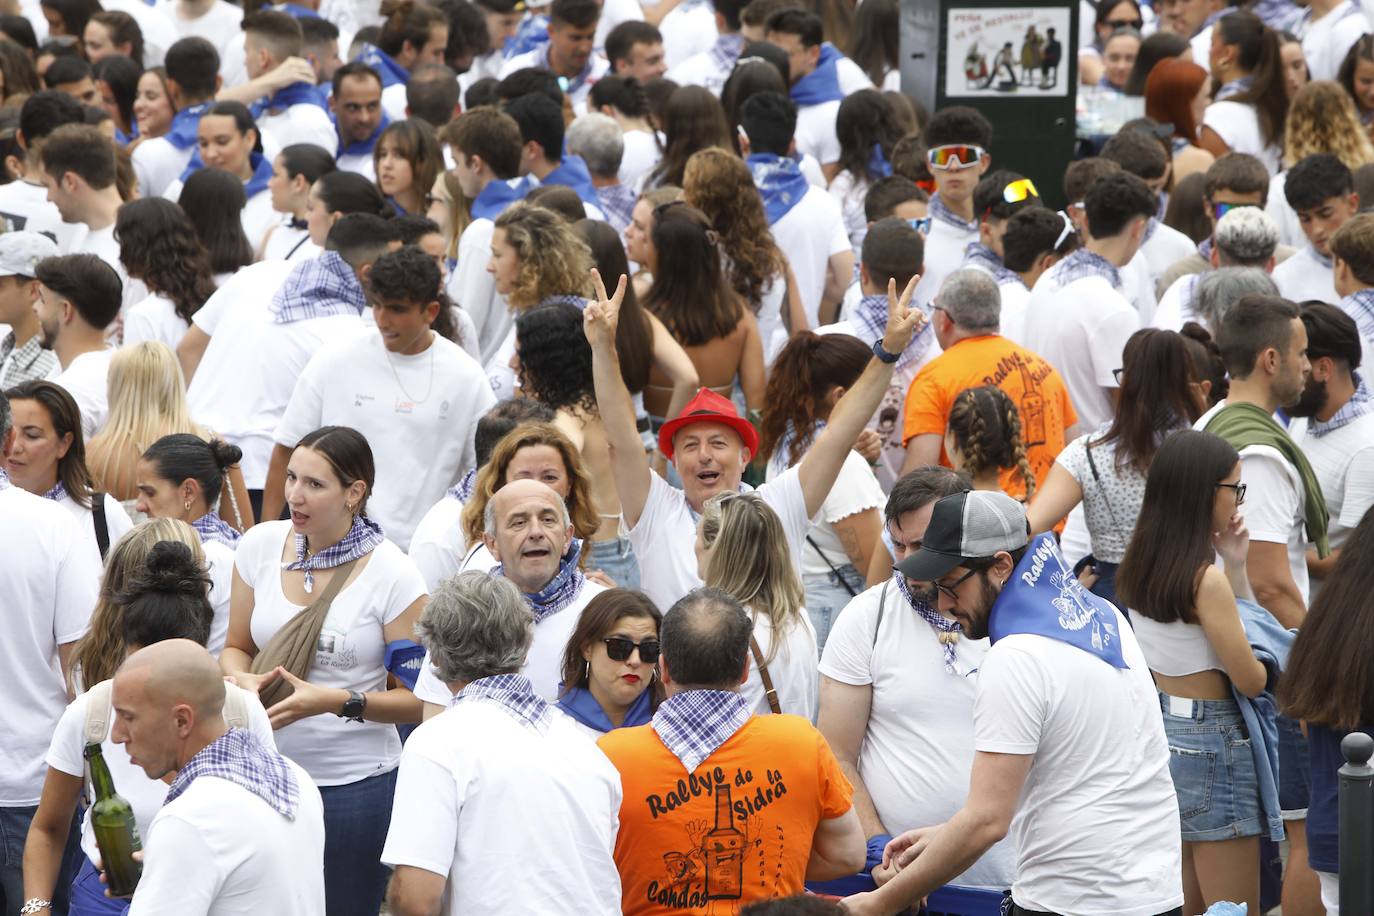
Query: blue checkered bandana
{"points": [[513, 693], [318, 288], [241, 758], [361, 540], [463, 491], [694, 723], [214, 528], [1084, 263]]}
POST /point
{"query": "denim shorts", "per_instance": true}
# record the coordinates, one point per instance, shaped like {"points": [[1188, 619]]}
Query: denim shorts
{"points": [[1213, 767], [616, 558], [827, 595], [1295, 776]]}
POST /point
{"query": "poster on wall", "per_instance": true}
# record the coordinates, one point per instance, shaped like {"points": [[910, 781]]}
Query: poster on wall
{"points": [[1005, 52]]}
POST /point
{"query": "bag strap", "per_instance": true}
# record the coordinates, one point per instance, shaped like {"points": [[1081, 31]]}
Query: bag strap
{"points": [[817, 547], [293, 646], [97, 722], [102, 524], [235, 707], [1097, 478], [769, 691], [882, 607]]}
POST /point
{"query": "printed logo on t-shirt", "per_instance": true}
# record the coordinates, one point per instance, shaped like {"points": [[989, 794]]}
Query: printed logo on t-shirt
{"points": [[1032, 405], [335, 650]]}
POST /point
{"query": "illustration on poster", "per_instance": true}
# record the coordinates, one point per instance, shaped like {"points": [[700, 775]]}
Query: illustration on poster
{"points": [[1007, 52]]}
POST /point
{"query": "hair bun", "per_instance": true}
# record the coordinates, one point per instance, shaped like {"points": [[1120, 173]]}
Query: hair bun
{"points": [[226, 454], [170, 567]]}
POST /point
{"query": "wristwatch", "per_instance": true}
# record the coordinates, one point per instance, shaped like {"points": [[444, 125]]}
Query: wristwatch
{"points": [[353, 707], [882, 354], [35, 905]]}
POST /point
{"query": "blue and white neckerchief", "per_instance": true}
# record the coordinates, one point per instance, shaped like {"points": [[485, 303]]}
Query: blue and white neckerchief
{"points": [[513, 693], [1358, 405], [576, 83], [1233, 87], [295, 11], [361, 539], [281, 100], [318, 288], [213, 528], [562, 589], [362, 147], [618, 203], [1279, 15], [1150, 226], [579, 301], [1204, 249], [530, 34], [1083, 263], [57, 493], [1178, 144], [869, 317], [725, 52], [572, 172], [4, 480], [981, 257], [1323, 259], [822, 84], [262, 173], [386, 66], [939, 210], [1359, 305], [946, 631], [694, 723], [878, 165], [579, 703], [780, 182], [499, 194], [462, 491], [185, 123], [1043, 597], [240, 757]]}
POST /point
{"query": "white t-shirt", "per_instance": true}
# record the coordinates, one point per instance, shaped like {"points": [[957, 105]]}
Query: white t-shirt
{"points": [[257, 217], [25, 206], [945, 246], [1238, 126], [117, 522], [85, 379], [856, 490], [219, 559], [664, 538], [613, 13], [815, 133], [158, 33], [1276, 205], [1274, 502], [1303, 277], [1165, 247], [850, 193], [1097, 825], [155, 318], [221, 25], [198, 862], [286, 243], [359, 163], [301, 123], [474, 289], [690, 28], [809, 234], [1326, 41], [248, 289], [1081, 329], [500, 376], [480, 794], [1343, 461], [1015, 302], [792, 670], [419, 413], [1176, 305], [144, 795], [244, 381], [918, 747], [50, 583], [157, 163], [544, 663], [641, 156], [438, 544], [701, 69], [1138, 287], [102, 244], [349, 653], [600, 67]]}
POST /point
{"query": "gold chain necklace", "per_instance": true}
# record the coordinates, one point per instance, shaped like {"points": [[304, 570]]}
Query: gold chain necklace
{"points": [[429, 389]]}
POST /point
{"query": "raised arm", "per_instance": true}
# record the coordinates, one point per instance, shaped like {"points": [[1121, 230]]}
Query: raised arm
{"points": [[823, 461], [629, 462]]}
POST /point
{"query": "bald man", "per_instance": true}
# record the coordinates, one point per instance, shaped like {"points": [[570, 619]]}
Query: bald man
{"points": [[242, 830], [529, 534]]}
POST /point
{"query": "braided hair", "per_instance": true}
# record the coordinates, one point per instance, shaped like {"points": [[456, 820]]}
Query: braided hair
{"points": [[987, 428]]}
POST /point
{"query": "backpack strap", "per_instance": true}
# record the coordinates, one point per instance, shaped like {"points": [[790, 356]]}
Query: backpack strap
{"points": [[97, 723], [235, 707], [102, 524], [882, 607]]}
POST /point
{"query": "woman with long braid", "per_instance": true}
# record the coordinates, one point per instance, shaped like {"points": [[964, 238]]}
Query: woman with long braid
{"points": [[984, 438]]}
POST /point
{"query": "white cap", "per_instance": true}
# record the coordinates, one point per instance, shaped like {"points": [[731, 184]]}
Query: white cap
{"points": [[20, 253]]}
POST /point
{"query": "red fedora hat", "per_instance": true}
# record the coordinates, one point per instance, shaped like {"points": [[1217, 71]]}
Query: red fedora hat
{"points": [[708, 407]]}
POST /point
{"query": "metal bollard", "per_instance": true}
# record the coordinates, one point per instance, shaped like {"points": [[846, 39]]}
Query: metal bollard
{"points": [[1357, 824]]}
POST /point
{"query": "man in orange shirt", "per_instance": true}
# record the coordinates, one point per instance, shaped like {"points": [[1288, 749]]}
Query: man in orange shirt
{"points": [[722, 807], [967, 313]]}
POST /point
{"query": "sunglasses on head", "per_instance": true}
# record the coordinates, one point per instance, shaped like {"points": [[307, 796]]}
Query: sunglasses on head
{"points": [[1017, 191], [1067, 231], [954, 156], [619, 649], [921, 225], [1220, 210]]}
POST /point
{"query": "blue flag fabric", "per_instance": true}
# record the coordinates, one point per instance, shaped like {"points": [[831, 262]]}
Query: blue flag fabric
{"points": [[385, 65], [1045, 598], [780, 182], [822, 84]]}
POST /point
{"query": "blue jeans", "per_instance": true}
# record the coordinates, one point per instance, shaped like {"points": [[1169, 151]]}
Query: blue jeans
{"points": [[356, 819], [88, 895], [616, 559], [14, 830], [1213, 768], [1105, 586], [1295, 778], [826, 596]]}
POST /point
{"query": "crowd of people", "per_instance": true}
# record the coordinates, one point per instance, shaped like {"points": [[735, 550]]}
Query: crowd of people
{"points": [[497, 456]]}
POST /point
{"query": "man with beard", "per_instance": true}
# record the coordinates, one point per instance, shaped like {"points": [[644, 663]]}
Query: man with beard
{"points": [[78, 300], [1070, 755], [1334, 425], [891, 650]]}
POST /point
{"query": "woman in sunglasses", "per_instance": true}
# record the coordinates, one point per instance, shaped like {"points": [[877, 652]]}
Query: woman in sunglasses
{"points": [[610, 675], [1111, 15], [1184, 610]]}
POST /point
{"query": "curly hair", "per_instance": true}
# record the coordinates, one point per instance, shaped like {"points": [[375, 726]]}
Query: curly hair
{"points": [[987, 428], [553, 260], [1322, 119], [719, 184], [804, 373], [555, 358], [158, 245], [492, 477]]}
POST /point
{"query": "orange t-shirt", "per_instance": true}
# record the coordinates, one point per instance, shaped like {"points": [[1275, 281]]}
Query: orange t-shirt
{"points": [[739, 829], [1033, 384]]}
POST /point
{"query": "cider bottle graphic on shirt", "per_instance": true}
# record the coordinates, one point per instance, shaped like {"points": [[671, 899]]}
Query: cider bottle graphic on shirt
{"points": [[1032, 410], [724, 851], [116, 833]]}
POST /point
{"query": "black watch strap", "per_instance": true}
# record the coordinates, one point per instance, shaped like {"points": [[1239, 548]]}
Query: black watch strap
{"points": [[881, 353], [353, 707]]}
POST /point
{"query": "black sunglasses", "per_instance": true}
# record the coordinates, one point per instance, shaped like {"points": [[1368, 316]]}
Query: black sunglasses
{"points": [[619, 649], [948, 590], [1125, 24]]}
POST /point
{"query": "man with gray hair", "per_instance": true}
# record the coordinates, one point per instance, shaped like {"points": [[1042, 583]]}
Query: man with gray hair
{"points": [[529, 535], [966, 316], [1244, 237], [502, 804], [1218, 290], [599, 140]]}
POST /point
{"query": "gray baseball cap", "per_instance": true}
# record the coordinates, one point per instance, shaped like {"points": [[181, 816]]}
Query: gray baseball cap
{"points": [[967, 526], [20, 253]]}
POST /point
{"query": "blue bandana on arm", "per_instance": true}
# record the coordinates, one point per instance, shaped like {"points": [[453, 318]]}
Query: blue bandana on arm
{"points": [[572, 173], [362, 147], [403, 658], [1044, 598], [780, 182], [282, 99], [493, 200], [822, 84], [385, 65], [582, 706]]}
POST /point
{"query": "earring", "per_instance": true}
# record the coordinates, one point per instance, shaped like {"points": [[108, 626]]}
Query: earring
{"points": [[587, 675], [188, 505]]}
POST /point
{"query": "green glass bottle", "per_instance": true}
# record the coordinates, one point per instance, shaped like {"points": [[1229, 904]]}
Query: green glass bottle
{"points": [[116, 833]]}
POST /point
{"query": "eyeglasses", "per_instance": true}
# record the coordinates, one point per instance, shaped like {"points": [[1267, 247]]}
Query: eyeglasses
{"points": [[1124, 24], [921, 225], [1239, 488], [948, 590], [954, 156], [1019, 190], [1220, 210], [619, 649], [1068, 230]]}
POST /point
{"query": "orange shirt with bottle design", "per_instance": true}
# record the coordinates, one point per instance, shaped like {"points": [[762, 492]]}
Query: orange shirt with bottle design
{"points": [[1040, 395], [736, 830]]}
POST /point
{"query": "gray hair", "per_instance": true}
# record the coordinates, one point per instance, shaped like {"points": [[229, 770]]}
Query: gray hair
{"points": [[1246, 237], [599, 140], [475, 625], [489, 514], [971, 299], [1217, 290]]}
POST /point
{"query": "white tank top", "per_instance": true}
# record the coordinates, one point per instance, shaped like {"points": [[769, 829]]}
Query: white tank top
{"points": [[1174, 649]]}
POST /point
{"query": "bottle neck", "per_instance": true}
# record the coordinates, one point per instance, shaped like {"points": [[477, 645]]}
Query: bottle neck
{"points": [[101, 781]]}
